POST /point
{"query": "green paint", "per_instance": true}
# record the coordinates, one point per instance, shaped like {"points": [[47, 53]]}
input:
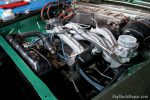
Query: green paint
{"points": [[33, 23], [39, 86]]}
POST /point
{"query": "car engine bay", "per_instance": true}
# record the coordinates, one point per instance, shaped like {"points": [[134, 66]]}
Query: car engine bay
{"points": [[82, 48]]}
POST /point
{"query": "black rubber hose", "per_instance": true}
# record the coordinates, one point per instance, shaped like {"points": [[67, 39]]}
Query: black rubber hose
{"points": [[139, 29], [41, 36]]}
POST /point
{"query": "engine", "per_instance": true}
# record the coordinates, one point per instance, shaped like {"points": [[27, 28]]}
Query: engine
{"points": [[90, 50]]}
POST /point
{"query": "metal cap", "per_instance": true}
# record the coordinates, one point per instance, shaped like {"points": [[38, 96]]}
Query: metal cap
{"points": [[127, 41]]}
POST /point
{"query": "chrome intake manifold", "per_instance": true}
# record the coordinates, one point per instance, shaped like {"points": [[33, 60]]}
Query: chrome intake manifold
{"points": [[116, 52]]}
